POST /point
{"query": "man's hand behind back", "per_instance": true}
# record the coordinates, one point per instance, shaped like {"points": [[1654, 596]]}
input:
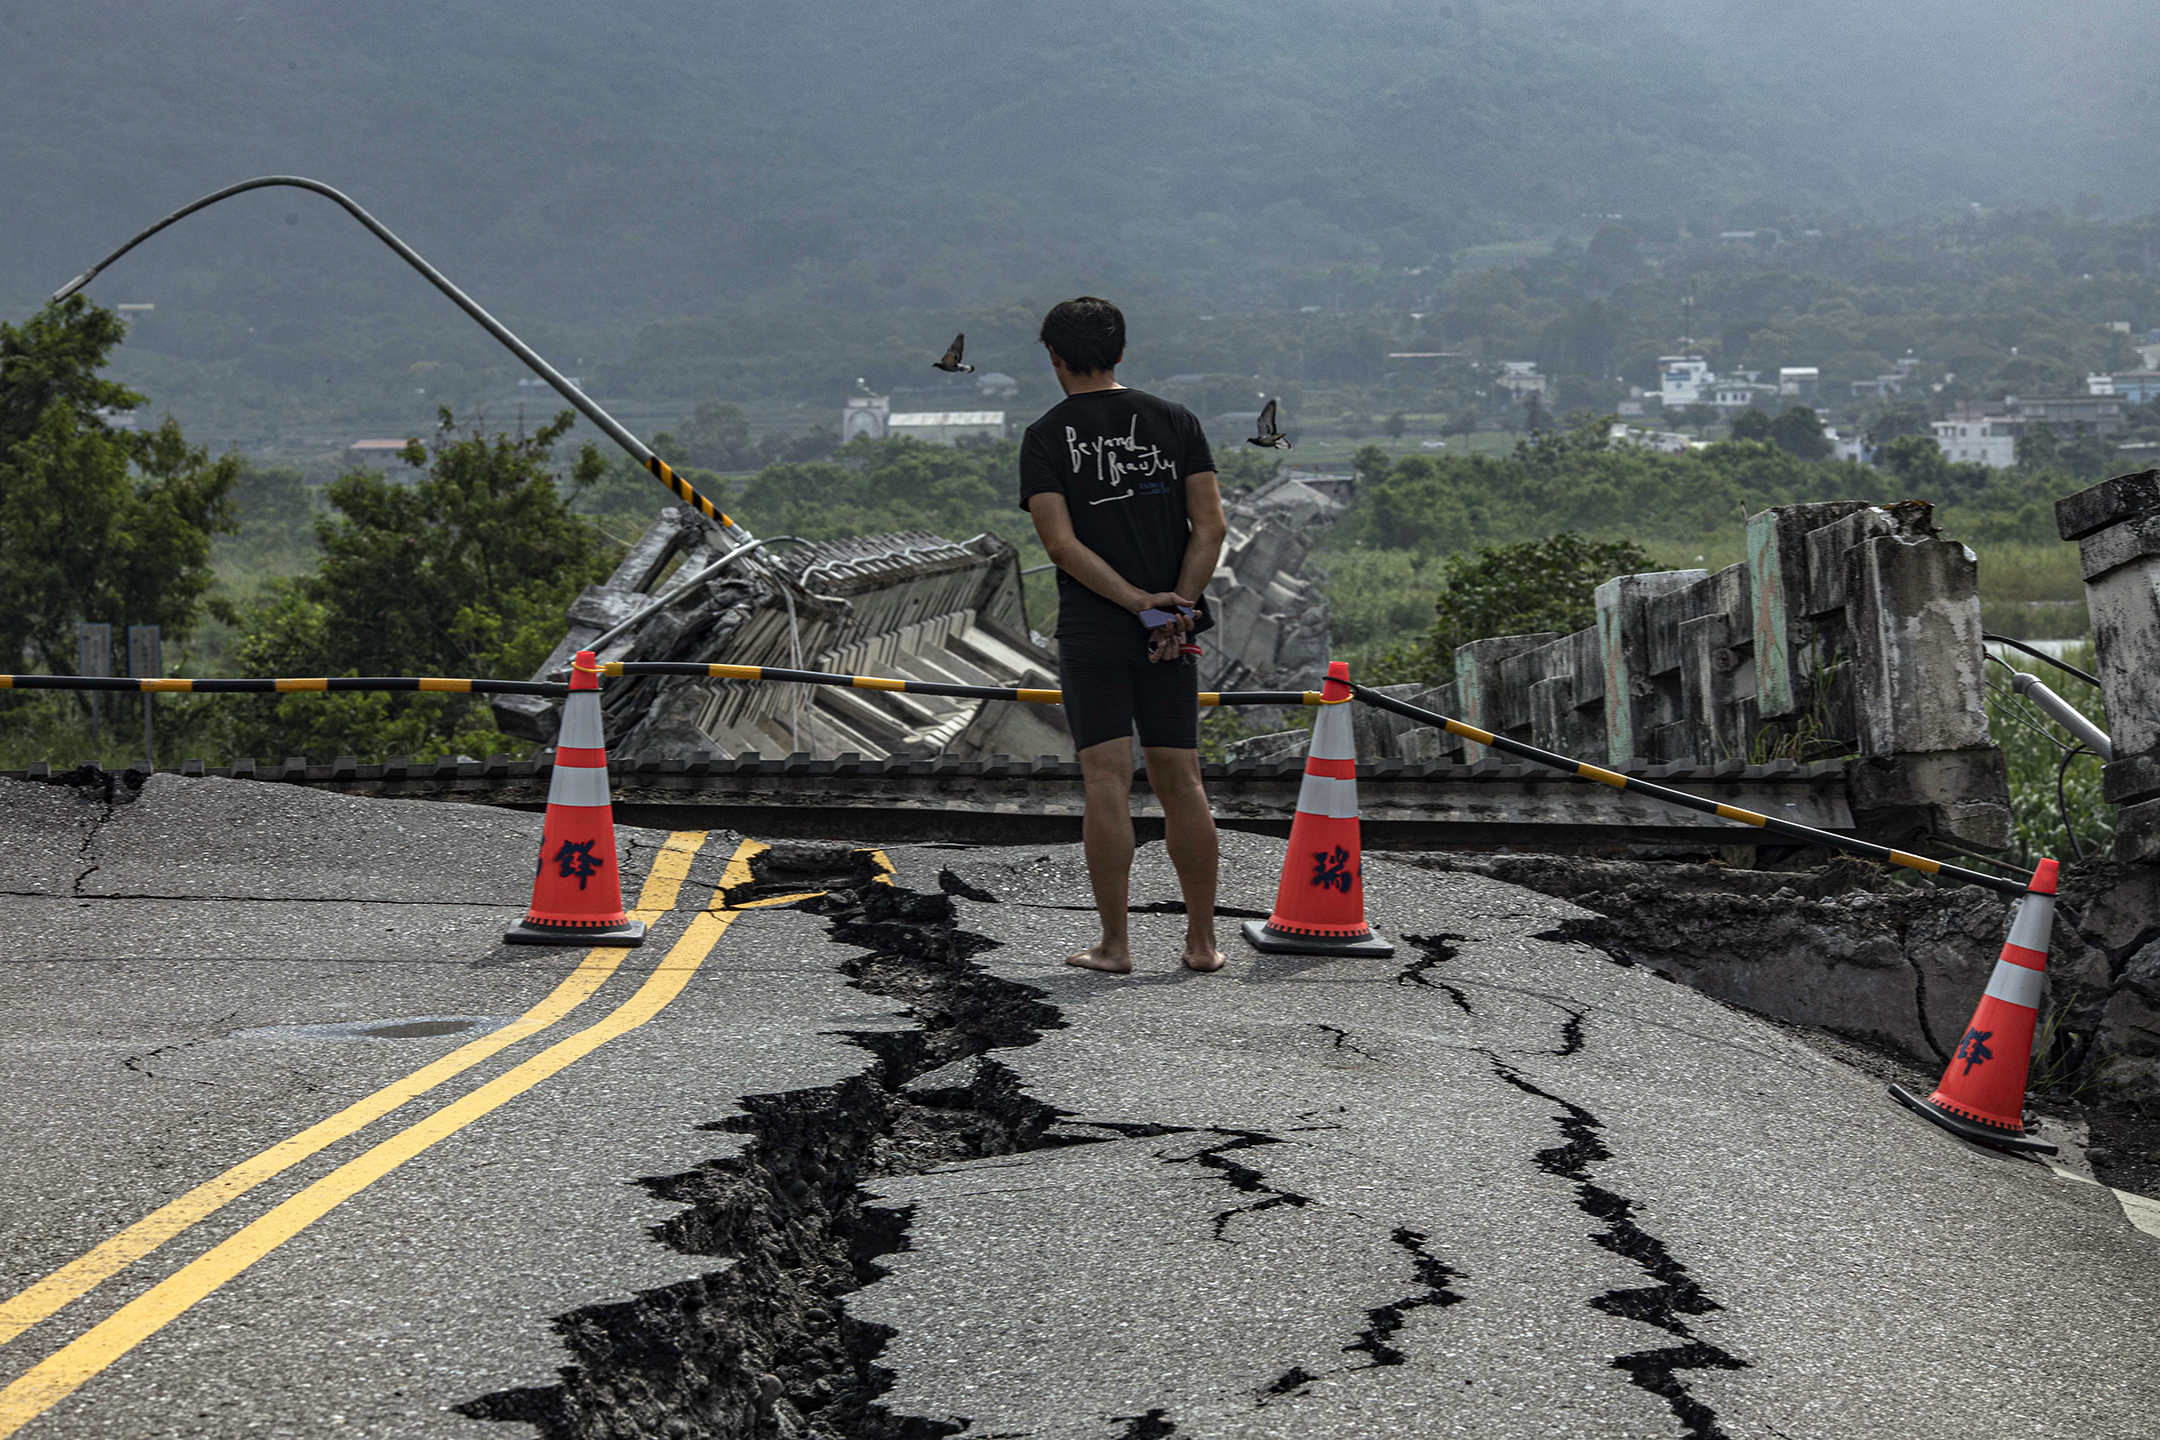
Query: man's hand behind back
{"points": [[1164, 641]]}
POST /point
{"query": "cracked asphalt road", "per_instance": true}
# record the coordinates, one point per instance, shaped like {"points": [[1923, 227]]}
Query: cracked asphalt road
{"points": [[1496, 1186]]}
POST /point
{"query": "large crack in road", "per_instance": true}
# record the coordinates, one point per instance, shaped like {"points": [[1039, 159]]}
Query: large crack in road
{"points": [[765, 1347], [1676, 1292]]}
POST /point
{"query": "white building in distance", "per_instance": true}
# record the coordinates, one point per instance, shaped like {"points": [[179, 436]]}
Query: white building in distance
{"points": [[1990, 440], [1734, 393], [381, 454], [865, 415], [873, 415], [943, 427], [1683, 378], [1520, 379]]}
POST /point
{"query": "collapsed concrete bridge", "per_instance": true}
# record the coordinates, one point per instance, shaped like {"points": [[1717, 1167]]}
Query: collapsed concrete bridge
{"points": [[909, 605]]}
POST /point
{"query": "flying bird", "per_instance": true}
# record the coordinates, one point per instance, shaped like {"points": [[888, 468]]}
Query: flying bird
{"points": [[950, 360], [1270, 436]]}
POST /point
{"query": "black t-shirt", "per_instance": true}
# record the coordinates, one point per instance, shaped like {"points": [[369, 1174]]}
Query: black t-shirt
{"points": [[1120, 458]]}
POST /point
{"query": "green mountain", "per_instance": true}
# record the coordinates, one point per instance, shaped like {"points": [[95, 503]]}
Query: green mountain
{"points": [[589, 169]]}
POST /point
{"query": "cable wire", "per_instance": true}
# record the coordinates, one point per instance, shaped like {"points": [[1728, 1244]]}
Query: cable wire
{"points": [[2062, 800], [2064, 666]]}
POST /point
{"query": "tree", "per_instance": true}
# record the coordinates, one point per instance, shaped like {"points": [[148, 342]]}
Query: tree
{"points": [[717, 437], [1904, 419], [1538, 585], [1371, 462], [1396, 426], [1916, 460], [898, 484], [1799, 433], [1245, 467], [1523, 589], [53, 358], [1534, 416], [1751, 425], [2037, 447], [465, 571], [275, 514], [95, 524], [1353, 424]]}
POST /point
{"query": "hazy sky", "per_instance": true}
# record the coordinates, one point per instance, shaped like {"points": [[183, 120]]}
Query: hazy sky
{"points": [[642, 158]]}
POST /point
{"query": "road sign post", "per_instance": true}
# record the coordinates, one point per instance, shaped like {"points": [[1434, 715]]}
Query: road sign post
{"points": [[146, 661], [93, 656]]}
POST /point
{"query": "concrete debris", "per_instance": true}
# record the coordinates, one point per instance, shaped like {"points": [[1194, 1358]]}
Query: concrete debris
{"points": [[1271, 630], [909, 605], [1298, 498]]}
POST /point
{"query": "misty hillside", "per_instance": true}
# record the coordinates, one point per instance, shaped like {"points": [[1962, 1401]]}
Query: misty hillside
{"points": [[578, 163]]}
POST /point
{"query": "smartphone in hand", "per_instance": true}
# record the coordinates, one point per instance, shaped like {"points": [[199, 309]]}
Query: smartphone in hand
{"points": [[1154, 619]]}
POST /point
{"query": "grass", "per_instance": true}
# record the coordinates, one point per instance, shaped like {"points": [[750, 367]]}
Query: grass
{"points": [[54, 726], [2033, 591], [2034, 748]]}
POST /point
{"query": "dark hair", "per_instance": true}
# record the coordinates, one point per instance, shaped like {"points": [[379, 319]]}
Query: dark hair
{"points": [[1086, 333]]}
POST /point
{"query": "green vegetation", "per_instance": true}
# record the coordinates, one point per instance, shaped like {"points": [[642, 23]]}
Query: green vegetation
{"points": [[2037, 751], [1387, 560], [95, 524], [466, 570], [1520, 589]]}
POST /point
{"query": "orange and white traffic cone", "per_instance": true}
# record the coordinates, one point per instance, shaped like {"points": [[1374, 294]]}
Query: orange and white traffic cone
{"points": [[1320, 904], [1982, 1095], [577, 891]]}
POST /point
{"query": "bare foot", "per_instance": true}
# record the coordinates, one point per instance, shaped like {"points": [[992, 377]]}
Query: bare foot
{"points": [[1108, 959], [1202, 955]]}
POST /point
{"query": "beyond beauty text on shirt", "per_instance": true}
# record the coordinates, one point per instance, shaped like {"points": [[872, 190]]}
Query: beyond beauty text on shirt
{"points": [[1120, 458]]}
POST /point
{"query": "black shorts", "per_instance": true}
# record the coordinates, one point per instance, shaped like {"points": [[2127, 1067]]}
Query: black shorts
{"points": [[1111, 687]]}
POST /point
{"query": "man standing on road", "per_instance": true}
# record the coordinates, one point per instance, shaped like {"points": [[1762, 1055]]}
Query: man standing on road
{"points": [[1122, 490]]}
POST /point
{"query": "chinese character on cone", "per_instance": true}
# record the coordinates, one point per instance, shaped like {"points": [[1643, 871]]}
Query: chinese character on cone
{"points": [[1320, 905], [1982, 1095], [577, 891]]}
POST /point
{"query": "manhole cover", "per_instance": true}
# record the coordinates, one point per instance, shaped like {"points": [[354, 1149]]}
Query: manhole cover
{"points": [[406, 1027]]}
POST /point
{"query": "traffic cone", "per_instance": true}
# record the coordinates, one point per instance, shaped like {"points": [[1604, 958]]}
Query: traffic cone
{"points": [[1320, 905], [1982, 1095], [577, 891]]}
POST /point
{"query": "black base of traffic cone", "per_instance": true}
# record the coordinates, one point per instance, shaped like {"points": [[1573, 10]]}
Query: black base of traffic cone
{"points": [[629, 934], [1283, 942], [1971, 1130]]}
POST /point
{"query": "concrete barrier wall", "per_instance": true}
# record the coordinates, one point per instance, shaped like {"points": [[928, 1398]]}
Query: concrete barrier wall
{"points": [[2117, 527], [1851, 630]]}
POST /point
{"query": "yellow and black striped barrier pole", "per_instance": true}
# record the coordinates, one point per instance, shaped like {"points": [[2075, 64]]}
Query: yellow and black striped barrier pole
{"points": [[1791, 830], [584, 404], [1586, 771], [923, 687], [182, 685]]}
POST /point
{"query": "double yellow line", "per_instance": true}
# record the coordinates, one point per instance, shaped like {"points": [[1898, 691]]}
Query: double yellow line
{"points": [[76, 1363]]}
